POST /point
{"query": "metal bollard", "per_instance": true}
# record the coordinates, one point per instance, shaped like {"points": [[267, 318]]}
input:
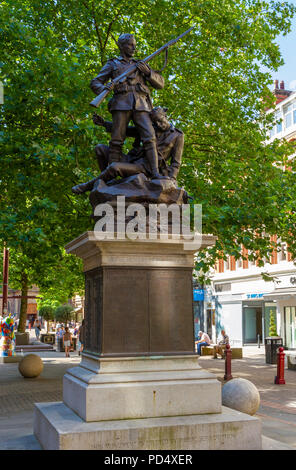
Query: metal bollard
{"points": [[258, 341], [279, 378], [228, 355]]}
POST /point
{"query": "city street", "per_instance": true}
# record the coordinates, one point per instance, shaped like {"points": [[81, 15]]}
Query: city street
{"points": [[277, 409], [17, 396]]}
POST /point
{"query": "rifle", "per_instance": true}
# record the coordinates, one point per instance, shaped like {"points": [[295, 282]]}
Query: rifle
{"points": [[121, 78]]}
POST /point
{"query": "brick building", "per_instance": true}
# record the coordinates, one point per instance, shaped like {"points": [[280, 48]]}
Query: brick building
{"points": [[239, 300]]}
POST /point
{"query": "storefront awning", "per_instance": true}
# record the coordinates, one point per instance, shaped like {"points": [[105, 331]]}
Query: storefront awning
{"points": [[280, 294]]}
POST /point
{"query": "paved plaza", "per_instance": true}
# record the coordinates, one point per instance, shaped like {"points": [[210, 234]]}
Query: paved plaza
{"points": [[17, 397]]}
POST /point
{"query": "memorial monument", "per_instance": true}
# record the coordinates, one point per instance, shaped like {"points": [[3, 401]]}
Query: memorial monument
{"points": [[139, 385]]}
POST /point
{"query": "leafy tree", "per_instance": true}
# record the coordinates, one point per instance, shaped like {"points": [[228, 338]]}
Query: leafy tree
{"points": [[272, 324], [47, 312], [215, 92], [62, 281], [64, 313]]}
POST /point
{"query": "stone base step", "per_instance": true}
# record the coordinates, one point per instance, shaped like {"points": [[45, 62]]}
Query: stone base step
{"points": [[57, 427], [33, 347], [10, 359]]}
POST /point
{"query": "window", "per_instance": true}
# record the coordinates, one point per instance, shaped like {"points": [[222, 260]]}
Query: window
{"points": [[227, 264], [290, 327], [279, 125], [290, 115], [223, 287], [283, 252], [239, 263]]}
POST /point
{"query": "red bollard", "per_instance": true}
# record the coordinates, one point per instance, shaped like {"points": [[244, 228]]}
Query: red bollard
{"points": [[279, 379], [228, 354]]}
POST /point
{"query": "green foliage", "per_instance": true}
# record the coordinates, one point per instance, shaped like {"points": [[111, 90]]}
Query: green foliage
{"points": [[46, 312], [62, 281], [64, 313], [272, 324], [214, 88]]}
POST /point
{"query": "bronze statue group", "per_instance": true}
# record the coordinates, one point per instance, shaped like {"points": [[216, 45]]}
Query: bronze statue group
{"points": [[158, 146]]}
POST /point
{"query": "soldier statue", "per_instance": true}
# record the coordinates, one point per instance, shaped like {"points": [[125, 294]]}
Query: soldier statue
{"points": [[131, 101], [169, 144]]}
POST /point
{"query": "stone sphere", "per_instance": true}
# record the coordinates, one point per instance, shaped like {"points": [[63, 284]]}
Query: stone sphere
{"points": [[241, 395], [31, 366]]}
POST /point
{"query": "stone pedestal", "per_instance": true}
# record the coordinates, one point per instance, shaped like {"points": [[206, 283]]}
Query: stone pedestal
{"points": [[139, 384], [57, 427], [138, 296], [130, 388]]}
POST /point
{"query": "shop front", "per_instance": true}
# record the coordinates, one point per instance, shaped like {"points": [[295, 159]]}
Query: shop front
{"points": [[253, 315], [198, 309], [257, 318], [286, 308], [290, 327]]}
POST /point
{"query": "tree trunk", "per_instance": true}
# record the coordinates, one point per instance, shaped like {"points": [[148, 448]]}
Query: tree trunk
{"points": [[24, 300]]}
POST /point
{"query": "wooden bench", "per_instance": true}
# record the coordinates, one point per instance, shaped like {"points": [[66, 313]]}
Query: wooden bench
{"points": [[237, 353]]}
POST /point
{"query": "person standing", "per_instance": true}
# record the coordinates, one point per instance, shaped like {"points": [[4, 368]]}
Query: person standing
{"points": [[203, 341], [31, 322], [59, 337], [81, 334], [37, 326], [67, 341]]}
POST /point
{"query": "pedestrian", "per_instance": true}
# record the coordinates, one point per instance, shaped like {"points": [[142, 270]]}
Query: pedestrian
{"points": [[81, 333], [220, 347], [37, 326], [76, 329], [60, 332], [67, 341], [59, 337], [203, 341]]}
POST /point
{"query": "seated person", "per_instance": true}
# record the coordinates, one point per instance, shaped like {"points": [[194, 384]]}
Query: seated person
{"points": [[220, 347], [203, 341]]}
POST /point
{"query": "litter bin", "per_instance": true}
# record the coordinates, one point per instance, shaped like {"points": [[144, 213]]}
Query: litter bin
{"points": [[272, 343], [60, 345], [48, 338]]}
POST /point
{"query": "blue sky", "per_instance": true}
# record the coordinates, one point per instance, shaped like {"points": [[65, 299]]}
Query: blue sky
{"points": [[287, 44]]}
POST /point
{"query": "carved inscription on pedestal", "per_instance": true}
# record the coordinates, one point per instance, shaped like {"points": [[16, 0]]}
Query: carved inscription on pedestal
{"points": [[93, 310], [139, 311]]}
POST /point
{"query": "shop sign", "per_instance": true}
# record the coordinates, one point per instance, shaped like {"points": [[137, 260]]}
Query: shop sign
{"points": [[198, 294], [253, 296]]}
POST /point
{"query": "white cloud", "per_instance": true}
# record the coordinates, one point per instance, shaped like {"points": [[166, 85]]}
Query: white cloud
{"points": [[292, 85]]}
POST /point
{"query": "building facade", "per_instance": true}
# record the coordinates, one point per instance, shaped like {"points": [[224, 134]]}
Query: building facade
{"points": [[14, 302], [240, 300]]}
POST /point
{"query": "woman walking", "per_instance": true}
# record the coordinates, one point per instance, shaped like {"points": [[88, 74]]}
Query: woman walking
{"points": [[67, 341], [37, 326]]}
